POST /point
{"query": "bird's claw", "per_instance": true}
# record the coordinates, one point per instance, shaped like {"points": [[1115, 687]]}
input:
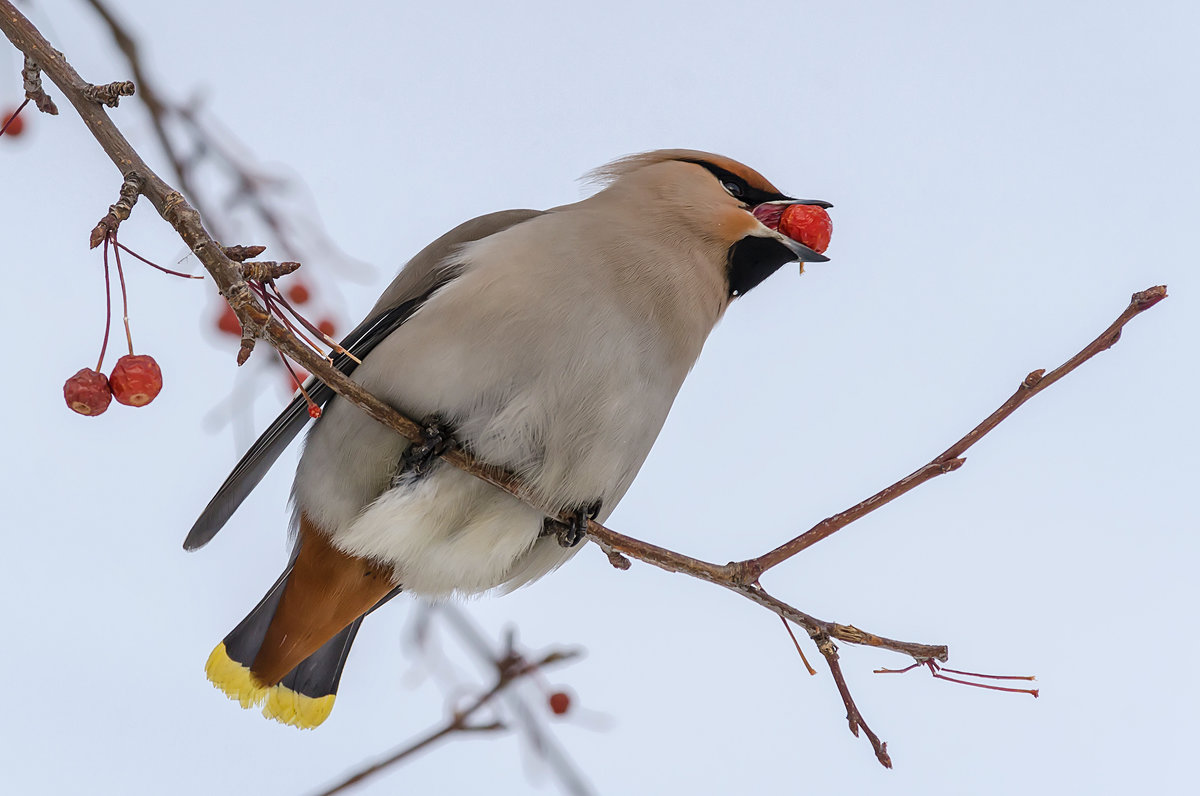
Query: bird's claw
{"points": [[436, 438], [574, 530]]}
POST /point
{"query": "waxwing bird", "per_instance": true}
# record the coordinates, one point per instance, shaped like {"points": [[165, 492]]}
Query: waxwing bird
{"points": [[551, 343]]}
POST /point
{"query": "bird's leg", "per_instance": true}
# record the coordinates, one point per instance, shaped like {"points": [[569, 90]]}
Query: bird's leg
{"points": [[436, 438], [572, 532]]}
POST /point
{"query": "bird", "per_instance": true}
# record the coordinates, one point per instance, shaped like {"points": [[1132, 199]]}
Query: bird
{"points": [[549, 343]]}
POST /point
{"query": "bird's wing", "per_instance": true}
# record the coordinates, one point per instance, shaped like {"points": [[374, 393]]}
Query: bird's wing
{"points": [[420, 278]]}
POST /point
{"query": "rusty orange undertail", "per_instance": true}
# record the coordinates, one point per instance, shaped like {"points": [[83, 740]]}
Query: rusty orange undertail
{"points": [[327, 590], [290, 650]]}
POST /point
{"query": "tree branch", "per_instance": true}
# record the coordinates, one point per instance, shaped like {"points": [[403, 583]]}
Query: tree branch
{"points": [[510, 668], [951, 459]]}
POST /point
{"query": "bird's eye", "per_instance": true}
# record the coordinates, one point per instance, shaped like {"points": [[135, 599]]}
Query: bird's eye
{"points": [[735, 189]]}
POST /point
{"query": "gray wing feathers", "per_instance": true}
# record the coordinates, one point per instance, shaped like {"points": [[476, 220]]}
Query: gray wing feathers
{"points": [[429, 270], [424, 270]]}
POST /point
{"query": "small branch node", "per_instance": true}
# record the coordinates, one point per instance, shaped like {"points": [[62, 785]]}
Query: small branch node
{"points": [[240, 254], [1145, 299], [130, 189], [172, 204], [1033, 379], [744, 573], [266, 270], [31, 74], [1111, 340], [951, 465], [110, 93], [246, 349], [615, 558]]}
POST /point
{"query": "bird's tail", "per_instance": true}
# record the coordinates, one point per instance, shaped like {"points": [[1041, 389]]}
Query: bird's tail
{"points": [[288, 653], [303, 698]]}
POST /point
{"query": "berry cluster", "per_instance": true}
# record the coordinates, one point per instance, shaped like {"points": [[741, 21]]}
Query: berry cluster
{"points": [[136, 379]]}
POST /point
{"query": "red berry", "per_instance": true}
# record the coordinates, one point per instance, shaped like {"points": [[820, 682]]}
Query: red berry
{"points": [[229, 323], [136, 380], [87, 392], [14, 128], [560, 703], [314, 411], [327, 328], [807, 224], [297, 293]]}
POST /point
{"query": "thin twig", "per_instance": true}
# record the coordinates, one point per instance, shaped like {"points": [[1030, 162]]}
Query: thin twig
{"points": [[951, 459], [853, 716], [525, 719], [799, 650], [509, 671]]}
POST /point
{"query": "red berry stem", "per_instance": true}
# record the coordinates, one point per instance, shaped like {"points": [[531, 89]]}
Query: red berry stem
{"points": [[272, 306], [124, 297], [8, 121], [314, 411], [936, 670], [1032, 691], [128, 250], [309, 325], [989, 676], [787, 626], [107, 309]]}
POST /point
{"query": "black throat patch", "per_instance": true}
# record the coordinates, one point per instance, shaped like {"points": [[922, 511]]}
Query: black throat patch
{"points": [[753, 259]]}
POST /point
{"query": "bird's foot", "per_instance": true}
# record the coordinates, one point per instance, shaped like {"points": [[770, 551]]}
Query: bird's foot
{"points": [[436, 438], [573, 531]]}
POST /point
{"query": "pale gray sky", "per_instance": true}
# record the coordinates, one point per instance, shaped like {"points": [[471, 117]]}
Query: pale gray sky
{"points": [[1005, 175]]}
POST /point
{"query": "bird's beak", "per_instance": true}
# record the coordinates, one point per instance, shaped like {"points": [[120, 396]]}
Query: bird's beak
{"points": [[769, 214]]}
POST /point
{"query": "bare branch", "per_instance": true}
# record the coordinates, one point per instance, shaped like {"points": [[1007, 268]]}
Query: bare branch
{"points": [[951, 459], [853, 716], [510, 669]]}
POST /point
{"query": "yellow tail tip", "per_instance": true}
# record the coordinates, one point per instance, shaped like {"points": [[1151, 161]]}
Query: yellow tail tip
{"points": [[291, 707], [233, 678]]}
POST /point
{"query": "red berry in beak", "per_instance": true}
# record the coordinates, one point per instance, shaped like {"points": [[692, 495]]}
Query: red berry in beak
{"points": [[807, 224], [136, 380], [87, 392]]}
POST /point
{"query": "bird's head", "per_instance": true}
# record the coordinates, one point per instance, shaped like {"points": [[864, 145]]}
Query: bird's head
{"points": [[730, 204]]}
